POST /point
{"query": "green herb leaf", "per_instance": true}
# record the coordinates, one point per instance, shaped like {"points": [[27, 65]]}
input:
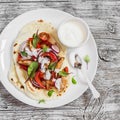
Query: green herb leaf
{"points": [[41, 101], [24, 53], [32, 69], [45, 48], [35, 40], [63, 73], [52, 66], [50, 93], [34, 35], [74, 81], [87, 59]]}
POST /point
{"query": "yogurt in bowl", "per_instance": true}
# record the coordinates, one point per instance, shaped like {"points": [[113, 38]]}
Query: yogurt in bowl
{"points": [[73, 32]]}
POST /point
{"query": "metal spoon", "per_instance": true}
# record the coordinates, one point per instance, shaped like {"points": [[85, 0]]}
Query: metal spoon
{"points": [[78, 65]]}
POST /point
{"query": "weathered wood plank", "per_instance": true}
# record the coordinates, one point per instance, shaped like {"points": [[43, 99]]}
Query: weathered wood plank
{"points": [[31, 1]]}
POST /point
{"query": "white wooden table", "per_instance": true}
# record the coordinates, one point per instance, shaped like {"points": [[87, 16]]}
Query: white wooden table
{"points": [[103, 18]]}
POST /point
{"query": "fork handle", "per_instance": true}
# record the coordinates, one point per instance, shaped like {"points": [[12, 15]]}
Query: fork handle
{"points": [[95, 93]]}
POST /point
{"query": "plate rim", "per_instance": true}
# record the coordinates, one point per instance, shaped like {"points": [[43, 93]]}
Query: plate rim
{"points": [[20, 91]]}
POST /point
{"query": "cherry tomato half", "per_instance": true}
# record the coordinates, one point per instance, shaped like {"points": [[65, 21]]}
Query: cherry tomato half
{"points": [[66, 69], [44, 36]]}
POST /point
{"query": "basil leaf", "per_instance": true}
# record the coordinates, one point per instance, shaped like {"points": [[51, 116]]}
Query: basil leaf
{"points": [[32, 69], [50, 93], [45, 48], [34, 35], [41, 101], [63, 73], [35, 40], [87, 59], [52, 66], [74, 81], [23, 53]]}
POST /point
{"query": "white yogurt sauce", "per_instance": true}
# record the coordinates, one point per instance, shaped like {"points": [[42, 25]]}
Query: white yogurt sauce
{"points": [[32, 53], [47, 75], [72, 33], [58, 83]]}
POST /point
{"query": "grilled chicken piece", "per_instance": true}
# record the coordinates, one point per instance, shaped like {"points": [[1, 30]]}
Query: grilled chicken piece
{"points": [[31, 46], [25, 62], [64, 83], [49, 84], [60, 62]]}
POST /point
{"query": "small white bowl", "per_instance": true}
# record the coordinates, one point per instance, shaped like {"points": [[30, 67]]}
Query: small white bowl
{"points": [[77, 28]]}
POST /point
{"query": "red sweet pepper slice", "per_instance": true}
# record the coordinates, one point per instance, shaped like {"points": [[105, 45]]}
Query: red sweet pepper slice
{"points": [[51, 55], [33, 58], [38, 45], [23, 67], [46, 43], [19, 57], [53, 75], [38, 75], [30, 39]]}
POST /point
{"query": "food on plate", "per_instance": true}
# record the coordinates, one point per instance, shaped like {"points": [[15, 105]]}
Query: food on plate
{"points": [[39, 65], [87, 60]]}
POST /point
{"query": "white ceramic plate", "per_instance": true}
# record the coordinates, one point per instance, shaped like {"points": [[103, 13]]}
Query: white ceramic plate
{"points": [[9, 34]]}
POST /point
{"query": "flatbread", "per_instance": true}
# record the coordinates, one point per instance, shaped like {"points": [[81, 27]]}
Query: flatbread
{"points": [[18, 76]]}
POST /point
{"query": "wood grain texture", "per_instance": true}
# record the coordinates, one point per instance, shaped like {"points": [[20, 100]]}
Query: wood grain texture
{"points": [[103, 18]]}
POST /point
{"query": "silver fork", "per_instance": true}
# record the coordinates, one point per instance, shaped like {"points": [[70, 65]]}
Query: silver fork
{"points": [[78, 65]]}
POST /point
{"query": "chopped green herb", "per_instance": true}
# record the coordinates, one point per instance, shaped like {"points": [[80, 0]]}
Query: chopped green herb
{"points": [[45, 48], [74, 81], [32, 69], [41, 101], [34, 35], [52, 66], [63, 73], [87, 60], [50, 93], [35, 40], [24, 53]]}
